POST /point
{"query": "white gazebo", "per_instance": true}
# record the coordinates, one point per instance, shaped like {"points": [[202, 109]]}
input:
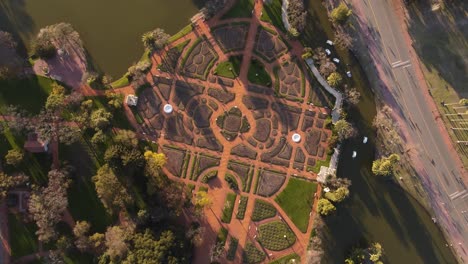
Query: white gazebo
{"points": [[168, 108], [131, 100], [296, 138]]}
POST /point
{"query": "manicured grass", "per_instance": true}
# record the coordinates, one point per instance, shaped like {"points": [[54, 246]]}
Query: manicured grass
{"points": [[186, 30], [271, 13], [272, 236], [257, 74], [23, 240], [242, 207], [263, 210], [222, 235], [28, 93], [242, 8], [319, 163], [122, 82], [288, 259], [230, 68], [252, 254], [228, 207], [231, 253], [297, 200]]}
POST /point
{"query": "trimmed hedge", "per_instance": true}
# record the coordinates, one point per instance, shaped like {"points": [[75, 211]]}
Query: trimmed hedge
{"points": [[210, 175], [232, 182], [228, 208], [242, 207], [263, 210]]}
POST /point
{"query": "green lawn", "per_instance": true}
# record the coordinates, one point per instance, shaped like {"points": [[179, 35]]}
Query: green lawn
{"points": [[288, 259], [23, 240], [122, 82], [28, 93], [297, 200], [276, 236], [271, 13], [228, 207], [230, 68], [320, 163], [257, 74], [242, 8], [187, 29]]}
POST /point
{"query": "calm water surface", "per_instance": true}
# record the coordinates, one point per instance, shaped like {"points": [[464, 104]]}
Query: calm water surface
{"points": [[111, 29]]}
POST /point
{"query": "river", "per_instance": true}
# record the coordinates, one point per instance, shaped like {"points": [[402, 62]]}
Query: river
{"points": [[111, 29], [378, 210]]}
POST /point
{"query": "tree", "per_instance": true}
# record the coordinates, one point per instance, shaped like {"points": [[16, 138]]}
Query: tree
{"points": [[58, 35], [297, 15], [342, 39], [155, 39], [385, 165], [334, 183], [126, 138], [7, 41], [56, 99], [340, 14], [307, 53], [212, 7], [375, 252], [334, 79], [115, 100], [19, 119], [327, 67], [14, 157], [353, 96], [81, 231], [97, 242], [100, 119], [216, 251], [47, 205], [116, 243], [112, 193], [7, 182], [154, 164], [325, 207], [98, 138], [344, 129], [202, 201]]}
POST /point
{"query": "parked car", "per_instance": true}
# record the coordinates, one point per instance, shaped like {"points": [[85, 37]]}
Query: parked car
{"points": [[329, 42], [328, 52], [336, 60], [348, 73]]}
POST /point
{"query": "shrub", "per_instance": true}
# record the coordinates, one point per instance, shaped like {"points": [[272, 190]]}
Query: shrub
{"points": [[222, 236], [337, 196], [231, 253], [242, 207], [263, 210], [232, 182], [210, 175], [297, 15], [252, 254], [334, 79], [276, 236], [14, 157]]}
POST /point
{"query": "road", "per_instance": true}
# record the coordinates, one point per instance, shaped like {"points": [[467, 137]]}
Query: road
{"points": [[441, 172]]}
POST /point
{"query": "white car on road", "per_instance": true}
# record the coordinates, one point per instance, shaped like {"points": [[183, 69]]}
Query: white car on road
{"points": [[329, 42], [328, 52], [336, 60], [348, 73]]}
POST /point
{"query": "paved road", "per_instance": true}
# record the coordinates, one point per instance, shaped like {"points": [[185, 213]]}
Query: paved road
{"points": [[443, 174]]}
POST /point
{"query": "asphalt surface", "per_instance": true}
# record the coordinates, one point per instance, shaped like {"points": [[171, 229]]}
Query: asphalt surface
{"points": [[444, 176]]}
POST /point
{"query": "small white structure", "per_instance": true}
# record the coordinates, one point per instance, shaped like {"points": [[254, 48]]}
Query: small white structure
{"points": [[131, 100], [364, 140], [168, 108], [336, 60], [296, 138], [326, 189], [354, 154]]}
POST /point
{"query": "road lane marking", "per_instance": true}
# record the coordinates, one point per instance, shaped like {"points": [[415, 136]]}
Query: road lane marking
{"points": [[401, 63], [455, 195]]}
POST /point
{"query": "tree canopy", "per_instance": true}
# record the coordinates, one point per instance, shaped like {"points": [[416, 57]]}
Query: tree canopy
{"points": [[385, 165], [325, 207], [110, 190], [341, 13]]}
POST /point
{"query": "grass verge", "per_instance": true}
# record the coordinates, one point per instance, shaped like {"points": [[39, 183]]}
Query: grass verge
{"points": [[228, 207]]}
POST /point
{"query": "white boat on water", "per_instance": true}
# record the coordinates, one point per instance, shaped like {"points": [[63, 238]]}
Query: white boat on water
{"points": [[354, 154], [364, 140]]}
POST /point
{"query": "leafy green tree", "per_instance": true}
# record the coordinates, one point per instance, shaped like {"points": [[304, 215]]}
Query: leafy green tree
{"points": [[202, 201], [112, 193], [116, 243], [338, 195], [81, 231], [463, 101], [47, 205], [385, 165], [100, 119], [56, 99], [341, 13], [14, 157], [344, 129], [325, 207], [334, 79], [98, 138], [7, 182], [156, 39], [115, 100], [126, 138]]}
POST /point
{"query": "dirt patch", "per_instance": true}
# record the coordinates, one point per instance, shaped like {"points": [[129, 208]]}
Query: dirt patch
{"points": [[270, 182]]}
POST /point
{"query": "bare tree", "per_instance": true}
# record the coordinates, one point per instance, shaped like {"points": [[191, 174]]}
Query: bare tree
{"points": [[342, 39]]}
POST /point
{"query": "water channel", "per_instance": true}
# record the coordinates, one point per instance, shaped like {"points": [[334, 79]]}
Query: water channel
{"points": [[377, 211]]}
